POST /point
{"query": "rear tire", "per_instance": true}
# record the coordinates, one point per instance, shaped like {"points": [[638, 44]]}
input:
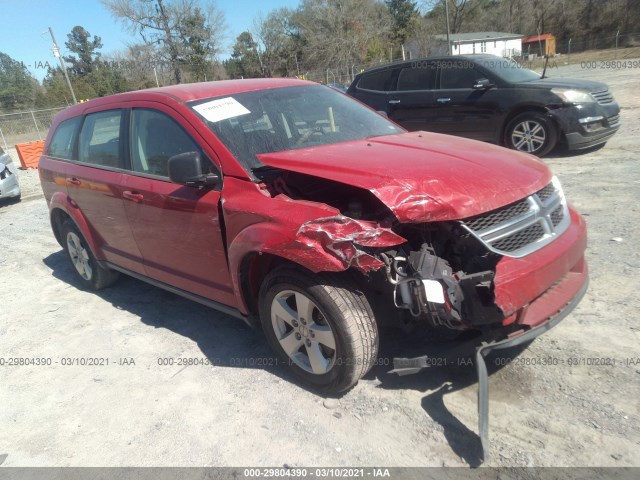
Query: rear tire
{"points": [[88, 271], [320, 326], [531, 132]]}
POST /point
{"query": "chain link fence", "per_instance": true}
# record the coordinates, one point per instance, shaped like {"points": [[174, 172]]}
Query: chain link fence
{"points": [[26, 126]]}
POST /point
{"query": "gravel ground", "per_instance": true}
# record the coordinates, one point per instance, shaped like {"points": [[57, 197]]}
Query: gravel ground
{"points": [[245, 410]]}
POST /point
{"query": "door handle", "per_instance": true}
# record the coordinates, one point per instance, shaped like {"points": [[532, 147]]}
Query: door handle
{"points": [[73, 181], [444, 99], [394, 102], [136, 197]]}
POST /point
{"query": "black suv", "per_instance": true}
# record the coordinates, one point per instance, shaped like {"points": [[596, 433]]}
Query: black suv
{"points": [[493, 99]]}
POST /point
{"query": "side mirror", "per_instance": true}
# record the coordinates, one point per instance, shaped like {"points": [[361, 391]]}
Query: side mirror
{"points": [[186, 169], [482, 84]]}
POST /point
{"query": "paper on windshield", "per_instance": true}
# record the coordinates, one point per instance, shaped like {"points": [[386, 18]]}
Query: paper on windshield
{"points": [[221, 109]]}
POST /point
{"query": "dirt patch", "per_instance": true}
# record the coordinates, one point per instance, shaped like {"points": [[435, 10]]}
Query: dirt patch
{"points": [[570, 399]]}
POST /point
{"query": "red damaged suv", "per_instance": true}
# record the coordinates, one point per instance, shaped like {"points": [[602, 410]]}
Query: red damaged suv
{"points": [[286, 203]]}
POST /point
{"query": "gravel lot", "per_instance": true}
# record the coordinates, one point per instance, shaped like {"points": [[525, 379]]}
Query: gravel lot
{"points": [[245, 411]]}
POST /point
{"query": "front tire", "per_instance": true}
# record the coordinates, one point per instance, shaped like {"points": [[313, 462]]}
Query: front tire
{"points": [[531, 132], [320, 326], [88, 271]]}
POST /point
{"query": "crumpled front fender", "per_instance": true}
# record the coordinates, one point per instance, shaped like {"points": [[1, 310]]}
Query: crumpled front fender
{"points": [[341, 236], [312, 235]]}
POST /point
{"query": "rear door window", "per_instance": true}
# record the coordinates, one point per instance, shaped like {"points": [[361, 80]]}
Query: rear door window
{"points": [[416, 78], [99, 142], [379, 81], [155, 137], [64, 138]]}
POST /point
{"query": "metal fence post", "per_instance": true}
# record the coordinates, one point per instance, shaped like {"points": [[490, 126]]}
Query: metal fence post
{"points": [[36, 124], [6, 147]]}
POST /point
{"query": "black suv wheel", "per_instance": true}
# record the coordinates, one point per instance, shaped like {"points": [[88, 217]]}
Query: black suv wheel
{"points": [[531, 132]]}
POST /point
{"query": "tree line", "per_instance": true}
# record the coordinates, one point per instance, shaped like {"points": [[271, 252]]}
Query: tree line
{"points": [[182, 41]]}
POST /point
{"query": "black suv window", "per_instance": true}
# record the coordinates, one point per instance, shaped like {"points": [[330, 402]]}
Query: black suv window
{"points": [[100, 139], [154, 138], [375, 80], [416, 78], [458, 75], [64, 138]]}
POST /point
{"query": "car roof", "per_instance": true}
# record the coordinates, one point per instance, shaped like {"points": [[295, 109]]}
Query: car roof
{"points": [[473, 56], [187, 92]]}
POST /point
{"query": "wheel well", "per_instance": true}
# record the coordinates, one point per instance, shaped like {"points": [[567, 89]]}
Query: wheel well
{"points": [[257, 265], [253, 270], [514, 113], [58, 217]]}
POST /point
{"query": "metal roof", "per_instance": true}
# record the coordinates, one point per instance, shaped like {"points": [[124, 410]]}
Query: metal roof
{"points": [[537, 38]]}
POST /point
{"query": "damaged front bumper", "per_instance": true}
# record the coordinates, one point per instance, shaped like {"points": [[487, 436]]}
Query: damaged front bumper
{"points": [[553, 306]]}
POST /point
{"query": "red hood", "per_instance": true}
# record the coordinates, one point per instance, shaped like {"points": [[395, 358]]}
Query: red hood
{"points": [[423, 176]]}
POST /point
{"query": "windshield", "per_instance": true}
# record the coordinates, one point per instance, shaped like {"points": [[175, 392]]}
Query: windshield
{"points": [[288, 118], [508, 70]]}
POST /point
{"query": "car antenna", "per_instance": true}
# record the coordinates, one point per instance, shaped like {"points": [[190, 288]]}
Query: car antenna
{"points": [[546, 62]]}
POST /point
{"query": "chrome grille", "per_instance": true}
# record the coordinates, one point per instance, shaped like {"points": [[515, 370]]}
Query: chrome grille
{"points": [[604, 97], [482, 222], [546, 192], [520, 239], [525, 226], [614, 120], [557, 215]]}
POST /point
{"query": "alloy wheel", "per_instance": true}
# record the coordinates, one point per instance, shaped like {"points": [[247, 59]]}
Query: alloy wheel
{"points": [[528, 136], [303, 332], [79, 256]]}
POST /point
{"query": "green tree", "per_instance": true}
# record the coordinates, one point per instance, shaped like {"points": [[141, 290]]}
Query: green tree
{"points": [[245, 59], [57, 91], [197, 45], [108, 79], [85, 50], [89, 75], [18, 88], [404, 13]]}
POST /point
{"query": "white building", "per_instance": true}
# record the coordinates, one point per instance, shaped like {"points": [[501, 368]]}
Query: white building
{"points": [[494, 43]]}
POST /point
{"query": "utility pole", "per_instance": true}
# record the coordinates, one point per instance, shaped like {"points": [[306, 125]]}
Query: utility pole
{"points": [[56, 53], [446, 10]]}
